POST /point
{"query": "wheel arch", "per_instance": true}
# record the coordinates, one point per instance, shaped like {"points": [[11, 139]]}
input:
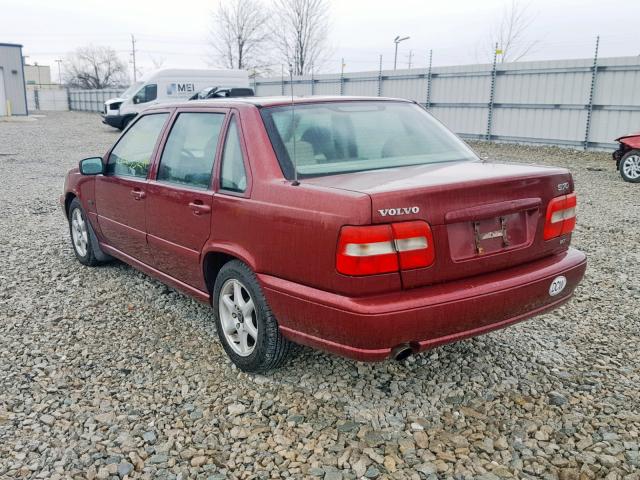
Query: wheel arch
{"points": [[214, 257], [68, 198]]}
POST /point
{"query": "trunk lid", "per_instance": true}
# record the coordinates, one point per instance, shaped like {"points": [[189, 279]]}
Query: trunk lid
{"points": [[484, 216]]}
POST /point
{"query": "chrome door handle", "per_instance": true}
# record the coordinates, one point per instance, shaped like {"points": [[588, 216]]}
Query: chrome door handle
{"points": [[138, 194]]}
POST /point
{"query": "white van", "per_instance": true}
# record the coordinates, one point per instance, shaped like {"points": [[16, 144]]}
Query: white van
{"points": [[166, 85]]}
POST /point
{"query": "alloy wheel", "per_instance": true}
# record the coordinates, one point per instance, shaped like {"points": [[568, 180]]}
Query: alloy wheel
{"points": [[238, 317], [631, 167], [79, 233]]}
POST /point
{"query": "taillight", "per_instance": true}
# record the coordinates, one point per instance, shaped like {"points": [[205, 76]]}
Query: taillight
{"points": [[561, 216], [414, 244], [366, 250], [373, 249]]}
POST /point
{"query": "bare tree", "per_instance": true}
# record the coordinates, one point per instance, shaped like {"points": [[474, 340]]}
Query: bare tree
{"points": [[240, 35], [510, 34], [95, 67], [157, 62], [301, 29]]}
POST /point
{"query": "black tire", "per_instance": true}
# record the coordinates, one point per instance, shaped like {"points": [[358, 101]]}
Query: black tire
{"points": [[271, 348], [631, 155], [88, 257]]}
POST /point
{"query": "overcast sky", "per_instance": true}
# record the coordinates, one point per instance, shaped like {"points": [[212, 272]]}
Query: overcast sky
{"points": [[176, 33]]}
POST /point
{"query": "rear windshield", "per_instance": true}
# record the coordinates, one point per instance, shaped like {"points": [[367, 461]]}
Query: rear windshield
{"points": [[341, 137]]}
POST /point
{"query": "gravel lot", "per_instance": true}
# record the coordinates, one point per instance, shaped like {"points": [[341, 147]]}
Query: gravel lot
{"points": [[106, 373]]}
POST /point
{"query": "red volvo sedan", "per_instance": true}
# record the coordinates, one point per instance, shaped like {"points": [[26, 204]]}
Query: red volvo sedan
{"points": [[360, 226]]}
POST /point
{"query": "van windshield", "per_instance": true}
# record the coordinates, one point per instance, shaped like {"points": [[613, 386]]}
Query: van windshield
{"points": [[342, 137], [131, 90]]}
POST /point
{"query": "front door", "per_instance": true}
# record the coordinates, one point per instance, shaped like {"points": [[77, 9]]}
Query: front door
{"points": [[179, 198], [121, 192]]}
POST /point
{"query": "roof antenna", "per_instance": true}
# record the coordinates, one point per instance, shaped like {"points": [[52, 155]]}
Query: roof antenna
{"points": [[295, 182]]}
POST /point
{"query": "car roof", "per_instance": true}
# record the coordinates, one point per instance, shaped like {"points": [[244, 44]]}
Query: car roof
{"points": [[272, 101]]}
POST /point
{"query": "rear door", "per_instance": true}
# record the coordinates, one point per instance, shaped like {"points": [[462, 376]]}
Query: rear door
{"points": [[180, 197], [121, 192]]}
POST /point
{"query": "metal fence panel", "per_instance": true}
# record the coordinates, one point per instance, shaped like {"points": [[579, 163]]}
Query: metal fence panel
{"points": [[610, 124], [91, 100], [368, 88], [31, 100], [51, 97], [53, 100], [465, 121], [268, 89], [327, 86]]}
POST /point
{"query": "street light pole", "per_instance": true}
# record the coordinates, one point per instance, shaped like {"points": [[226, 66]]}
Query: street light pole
{"points": [[397, 40]]}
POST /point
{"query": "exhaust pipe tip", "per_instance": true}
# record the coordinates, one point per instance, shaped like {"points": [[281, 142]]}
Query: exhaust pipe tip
{"points": [[401, 352]]}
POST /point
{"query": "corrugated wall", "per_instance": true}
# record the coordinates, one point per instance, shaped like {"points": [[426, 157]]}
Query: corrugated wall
{"points": [[91, 100], [14, 87], [539, 102], [47, 99]]}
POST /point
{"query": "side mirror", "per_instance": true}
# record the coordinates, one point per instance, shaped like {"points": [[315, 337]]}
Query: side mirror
{"points": [[136, 100], [91, 166]]}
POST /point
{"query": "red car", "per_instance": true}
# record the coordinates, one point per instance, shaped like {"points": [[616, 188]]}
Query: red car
{"points": [[627, 157], [360, 226]]}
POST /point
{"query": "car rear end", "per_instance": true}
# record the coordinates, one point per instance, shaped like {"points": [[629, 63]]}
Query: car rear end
{"points": [[475, 246]]}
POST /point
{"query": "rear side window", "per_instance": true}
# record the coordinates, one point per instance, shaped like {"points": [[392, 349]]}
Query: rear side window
{"points": [[132, 154], [191, 149], [233, 175]]}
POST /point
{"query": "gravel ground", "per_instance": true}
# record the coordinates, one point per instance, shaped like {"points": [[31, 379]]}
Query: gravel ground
{"points": [[106, 373]]}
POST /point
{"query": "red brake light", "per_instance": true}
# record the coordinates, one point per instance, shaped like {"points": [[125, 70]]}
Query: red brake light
{"points": [[414, 244], [366, 250], [561, 216], [373, 249]]}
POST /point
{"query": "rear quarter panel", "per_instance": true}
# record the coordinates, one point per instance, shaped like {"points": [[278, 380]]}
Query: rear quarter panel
{"points": [[291, 232]]}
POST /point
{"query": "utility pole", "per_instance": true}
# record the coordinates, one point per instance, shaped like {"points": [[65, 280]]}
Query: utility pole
{"points": [[133, 56], [59, 62], [410, 57]]}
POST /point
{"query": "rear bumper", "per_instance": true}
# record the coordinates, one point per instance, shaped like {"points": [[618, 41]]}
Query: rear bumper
{"points": [[369, 328]]}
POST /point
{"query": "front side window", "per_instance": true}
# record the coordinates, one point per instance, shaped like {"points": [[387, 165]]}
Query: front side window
{"points": [[342, 137], [132, 154], [233, 175], [146, 94], [190, 150]]}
